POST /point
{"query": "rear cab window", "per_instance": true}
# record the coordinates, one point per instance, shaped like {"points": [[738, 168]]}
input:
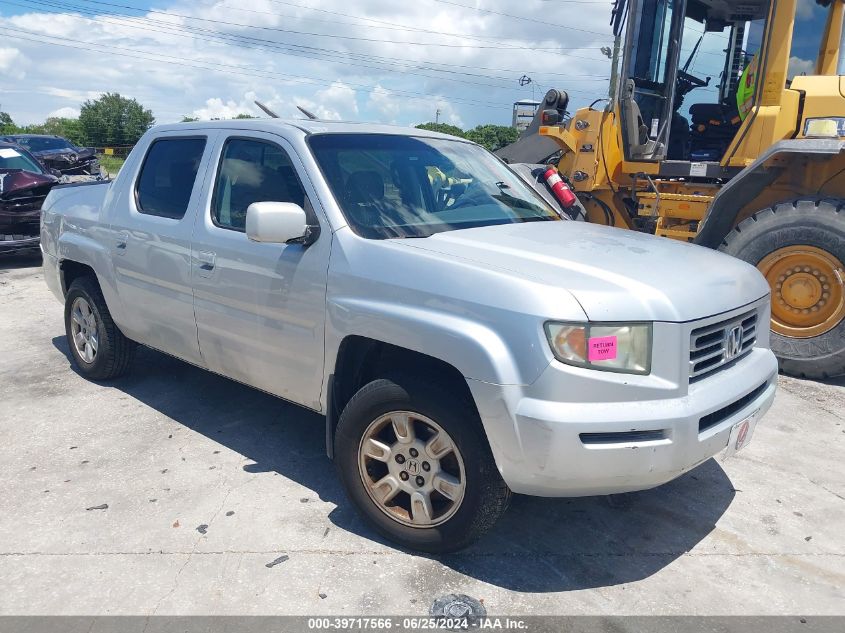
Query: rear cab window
{"points": [[168, 175]]}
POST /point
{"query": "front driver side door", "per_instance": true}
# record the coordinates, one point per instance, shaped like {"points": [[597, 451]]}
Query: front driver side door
{"points": [[260, 308]]}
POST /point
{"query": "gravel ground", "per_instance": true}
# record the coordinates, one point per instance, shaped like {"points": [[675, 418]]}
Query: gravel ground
{"points": [[174, 491]]}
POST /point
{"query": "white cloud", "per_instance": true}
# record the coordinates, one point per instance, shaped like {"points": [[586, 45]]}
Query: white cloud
{"points": [[384, 102], [340, 96], [65, 113], [798, 66], [367, 68], [12, 62], [805, 8], [215, 108], [402, 110]]}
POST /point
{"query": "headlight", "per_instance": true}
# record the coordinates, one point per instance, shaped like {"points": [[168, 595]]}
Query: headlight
{"points": [[624, 348], [831, 127]]}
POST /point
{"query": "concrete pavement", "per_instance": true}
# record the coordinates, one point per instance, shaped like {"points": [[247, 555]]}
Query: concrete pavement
{"points": [[207, 483]]}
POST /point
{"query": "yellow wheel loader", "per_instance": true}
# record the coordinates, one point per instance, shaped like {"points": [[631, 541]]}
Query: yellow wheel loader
{"points": [[749, 160]]}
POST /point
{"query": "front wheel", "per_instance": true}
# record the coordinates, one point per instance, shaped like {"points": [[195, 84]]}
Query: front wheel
{"points": [[799, 247], [414, 459]]}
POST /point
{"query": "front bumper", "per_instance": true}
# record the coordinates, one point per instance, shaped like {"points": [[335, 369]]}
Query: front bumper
{"points": [[14, 243], [551, 448], [84, 167]]}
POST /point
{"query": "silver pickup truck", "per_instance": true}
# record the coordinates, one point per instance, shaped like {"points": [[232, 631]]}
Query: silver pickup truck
{"points": [[461, 339]]}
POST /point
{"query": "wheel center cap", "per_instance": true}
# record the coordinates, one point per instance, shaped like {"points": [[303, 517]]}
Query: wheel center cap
{"points": [[412, 467], [802, 291]]}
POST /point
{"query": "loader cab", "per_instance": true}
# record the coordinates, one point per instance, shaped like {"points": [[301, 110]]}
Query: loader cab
{"points": [[685, 63]]}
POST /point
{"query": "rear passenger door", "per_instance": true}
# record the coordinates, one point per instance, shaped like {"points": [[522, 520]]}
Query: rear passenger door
{"points": [[260, 308], [151, 227]]}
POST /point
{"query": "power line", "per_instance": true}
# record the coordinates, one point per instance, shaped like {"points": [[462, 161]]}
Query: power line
{"points": [[296, 49], [522, 17], [220, 67], [393, 25], [285, 46], [329, 35]]}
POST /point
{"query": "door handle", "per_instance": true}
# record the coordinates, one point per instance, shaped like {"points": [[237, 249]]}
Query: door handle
{"points": [[206, 260], [120, 242]]}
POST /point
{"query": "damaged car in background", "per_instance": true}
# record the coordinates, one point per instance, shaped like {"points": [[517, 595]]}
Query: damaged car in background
{"points": [[59, 153], [24, 183]]}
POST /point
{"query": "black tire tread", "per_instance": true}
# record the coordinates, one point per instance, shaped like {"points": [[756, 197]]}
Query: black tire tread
{"points": [[117, 350], [818, 213], [494, 492]]}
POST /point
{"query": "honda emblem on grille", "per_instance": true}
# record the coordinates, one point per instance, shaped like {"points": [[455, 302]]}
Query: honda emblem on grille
{"points": [[733, 342]]}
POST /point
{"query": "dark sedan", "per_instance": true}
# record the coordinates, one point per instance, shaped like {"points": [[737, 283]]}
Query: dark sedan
{"points": [[24, 183], [58, 153]]}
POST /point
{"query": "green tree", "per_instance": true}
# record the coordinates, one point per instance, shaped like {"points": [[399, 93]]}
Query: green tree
{"points": [[189, 119], [7, 126], [244, 115], [114, 120], [443, 128], [64, 127], [492, 137]]}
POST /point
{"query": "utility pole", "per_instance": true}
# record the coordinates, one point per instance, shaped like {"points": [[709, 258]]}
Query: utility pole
{"points": [[437, 115]]}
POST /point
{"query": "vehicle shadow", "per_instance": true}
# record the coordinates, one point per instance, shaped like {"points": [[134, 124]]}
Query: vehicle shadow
{"points": [[11, 261], [540, 545]]}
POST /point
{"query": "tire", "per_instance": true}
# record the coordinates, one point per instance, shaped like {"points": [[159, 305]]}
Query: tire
{"points": [[453, 525], [808, 228], [104, 353]]}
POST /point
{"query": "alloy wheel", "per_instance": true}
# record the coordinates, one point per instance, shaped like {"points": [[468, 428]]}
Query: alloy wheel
{"points": [[411, 469]]}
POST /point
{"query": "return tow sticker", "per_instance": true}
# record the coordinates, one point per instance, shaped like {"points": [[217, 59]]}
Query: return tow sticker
{"points": [[602, 348]]}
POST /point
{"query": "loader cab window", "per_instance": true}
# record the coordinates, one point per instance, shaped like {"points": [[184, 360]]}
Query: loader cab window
{"points": [[683, 74], [808, 31]]}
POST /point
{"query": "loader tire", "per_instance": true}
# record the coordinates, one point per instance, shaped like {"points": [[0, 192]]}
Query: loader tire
{"points": [[799, 246]]}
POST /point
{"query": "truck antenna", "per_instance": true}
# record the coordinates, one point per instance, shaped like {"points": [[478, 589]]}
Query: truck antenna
{"points": [[310, 115], [267, 110]]}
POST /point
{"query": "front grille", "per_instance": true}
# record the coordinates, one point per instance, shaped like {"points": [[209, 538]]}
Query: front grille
{"points": [[712, 349], [25, 200], [23, 203]]}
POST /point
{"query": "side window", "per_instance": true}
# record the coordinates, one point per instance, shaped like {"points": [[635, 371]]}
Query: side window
{"points": [[168, 175], [252, 171]]}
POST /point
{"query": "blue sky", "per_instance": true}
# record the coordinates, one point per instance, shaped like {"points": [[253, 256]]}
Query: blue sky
{"points": [[378, 60]]}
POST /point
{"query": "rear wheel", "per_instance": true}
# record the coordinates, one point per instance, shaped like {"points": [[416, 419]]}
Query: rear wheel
{"points": [[414, 459], [799, 247], [99, 349]]}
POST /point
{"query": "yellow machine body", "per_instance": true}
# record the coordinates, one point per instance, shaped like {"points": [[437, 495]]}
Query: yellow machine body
{"points": [[787, 149]]}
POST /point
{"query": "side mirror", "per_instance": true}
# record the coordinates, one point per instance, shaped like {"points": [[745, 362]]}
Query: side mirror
{"points": [[276, 222]]}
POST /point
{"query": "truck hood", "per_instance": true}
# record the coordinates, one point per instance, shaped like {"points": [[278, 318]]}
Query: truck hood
{"points": [[615, 274]]}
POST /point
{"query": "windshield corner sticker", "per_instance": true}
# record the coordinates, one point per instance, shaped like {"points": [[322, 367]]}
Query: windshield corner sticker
{"points": [[602, 348], [8, 152]]}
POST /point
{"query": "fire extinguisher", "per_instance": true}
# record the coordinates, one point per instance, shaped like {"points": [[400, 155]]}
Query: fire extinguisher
{"points": [[559, 188]]}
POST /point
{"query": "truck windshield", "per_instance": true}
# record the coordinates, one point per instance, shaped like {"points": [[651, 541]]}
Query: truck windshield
{"points": [[43, 144], [405, 186]]}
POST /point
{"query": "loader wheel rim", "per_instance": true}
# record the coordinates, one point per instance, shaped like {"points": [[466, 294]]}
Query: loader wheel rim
{"points": [[808, 298]]}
